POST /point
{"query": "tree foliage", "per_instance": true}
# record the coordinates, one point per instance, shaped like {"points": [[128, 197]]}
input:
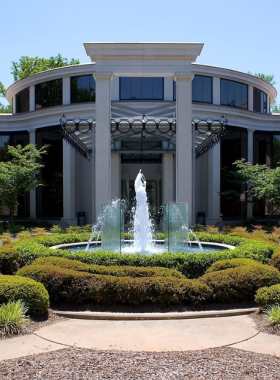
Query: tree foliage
{"points": [[266, 77], [20, 174], [5, 109], [263, 184], [28, 66], [2, 90]]}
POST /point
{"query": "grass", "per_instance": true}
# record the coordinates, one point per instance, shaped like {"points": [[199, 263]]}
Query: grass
{"points": [[12, 317], [273, 314]]}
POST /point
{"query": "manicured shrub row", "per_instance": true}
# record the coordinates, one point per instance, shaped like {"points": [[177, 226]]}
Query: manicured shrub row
{"points": [[268, 296], [108, 270], [32, 293], [275, 260], [233, 263], [9, 258], [69, 285], [240, 283]]}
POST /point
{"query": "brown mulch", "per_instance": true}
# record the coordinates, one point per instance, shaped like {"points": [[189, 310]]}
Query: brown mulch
{"points": [[85, 364], [36, 323], [263, 325]]}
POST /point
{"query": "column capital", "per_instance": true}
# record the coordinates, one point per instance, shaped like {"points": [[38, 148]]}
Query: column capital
{"points": [[184, 76], [100, 75], [31, 130], [250, 130]]}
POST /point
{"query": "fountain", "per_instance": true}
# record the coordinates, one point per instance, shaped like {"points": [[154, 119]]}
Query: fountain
{"points": [[111, 226]]}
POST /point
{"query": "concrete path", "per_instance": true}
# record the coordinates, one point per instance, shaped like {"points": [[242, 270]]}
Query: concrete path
{"points": [[147, 335]]}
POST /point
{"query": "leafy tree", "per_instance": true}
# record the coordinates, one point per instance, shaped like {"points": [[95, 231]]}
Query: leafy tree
{"points": [[275, 108], [20, 174], [263, 184], [267, 78], [5, 109], [28, 66], [2, 90]]}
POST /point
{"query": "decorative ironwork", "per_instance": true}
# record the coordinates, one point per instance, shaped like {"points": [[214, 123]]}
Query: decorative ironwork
{"points": [[208, 127], [144, 125]]}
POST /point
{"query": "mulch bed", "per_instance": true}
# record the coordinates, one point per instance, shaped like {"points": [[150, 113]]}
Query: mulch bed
{"points": [[84, 364], [262, 324]]}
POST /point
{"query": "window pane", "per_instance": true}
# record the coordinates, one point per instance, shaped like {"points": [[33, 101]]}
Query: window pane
{"points": [[136, 88], [158, 88], [259, 101], [202, 89], [234, 94], [48, 94], [124, 88], [22, 101], [147, 88], [82, 89]]}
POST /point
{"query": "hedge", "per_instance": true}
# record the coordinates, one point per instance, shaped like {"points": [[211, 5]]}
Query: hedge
{"points": [[275, 260], [268, 296], [240, 283], [192, 265], [69, 285], [233, 263], [9, 258], [32, 293], [108, 270]]}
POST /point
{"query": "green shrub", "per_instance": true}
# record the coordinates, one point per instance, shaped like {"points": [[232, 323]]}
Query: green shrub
{"points": [[232, 263], [108, 270], [9, 257], [73, 286], [275, 260], [6, 238], [240, 283], [12, 317], [273, 314], [32, 293], [268, 296]]}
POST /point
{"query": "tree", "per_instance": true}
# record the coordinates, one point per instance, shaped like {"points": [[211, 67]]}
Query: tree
{"points": [[263, 184], [265, 77], [28, 66], [20, 174], [5, 109], [2, 90]]}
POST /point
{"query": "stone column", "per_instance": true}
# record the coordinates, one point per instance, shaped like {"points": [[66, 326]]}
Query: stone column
{"points": [[184, 141], [32, 98], [250, 158], [32, 194], [102, 143], [69, 191], [214, 174], [216, 91], [66, 91], [250, 98], [167, 178], [115, 176]]}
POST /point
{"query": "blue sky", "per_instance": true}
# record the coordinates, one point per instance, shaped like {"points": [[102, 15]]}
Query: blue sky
{"points": [[242, 35]]}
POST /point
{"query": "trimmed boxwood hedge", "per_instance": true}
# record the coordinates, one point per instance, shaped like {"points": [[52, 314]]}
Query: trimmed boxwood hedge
{"points": [[192, 265], [110, 270], [233, 263], [275, 260], [240, 283], [268, 296], [32, 293], [69, 285], [9, 258]]}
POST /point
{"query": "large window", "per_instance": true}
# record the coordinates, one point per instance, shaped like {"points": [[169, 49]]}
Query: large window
{"points": [[48, 94], [234, 94], [141, 88], [22, 101], [259, 101], [82, 89], [201, 89]]}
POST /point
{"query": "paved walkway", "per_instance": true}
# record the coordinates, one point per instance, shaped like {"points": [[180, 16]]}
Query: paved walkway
{"points": [[144, 335]]}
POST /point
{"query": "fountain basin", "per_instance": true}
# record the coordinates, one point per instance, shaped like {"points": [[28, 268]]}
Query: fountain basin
{"points": [[158, 247]]}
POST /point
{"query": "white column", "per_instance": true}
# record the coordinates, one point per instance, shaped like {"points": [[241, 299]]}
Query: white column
{"points": [[214, 174], [250, 158], [115, 176], [66, 91], [32, 98], [184, 141], [216, 91], [69, 201], [32, 194], [102, 161], [167, 178], [14, 104], [250, 98]]}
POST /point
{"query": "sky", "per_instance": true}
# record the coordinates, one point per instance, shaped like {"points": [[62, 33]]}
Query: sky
{"points": [[242, 35]]}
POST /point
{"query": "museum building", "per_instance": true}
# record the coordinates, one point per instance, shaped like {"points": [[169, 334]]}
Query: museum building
{"points": [[142, 106]]}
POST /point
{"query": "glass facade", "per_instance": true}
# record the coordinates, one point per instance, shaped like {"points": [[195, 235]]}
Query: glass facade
{"points": [[234, 94], [259, 101], [141, 88], [50, 196], [48, 94], [233, 147], [201, 89], [22, 101], [82, 89]]}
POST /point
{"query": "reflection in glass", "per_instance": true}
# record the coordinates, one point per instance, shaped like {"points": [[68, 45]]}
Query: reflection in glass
{"points": [[48, 94], [82, 89], [234, 94], [259, 101], [22, 101], [141, 88]]}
